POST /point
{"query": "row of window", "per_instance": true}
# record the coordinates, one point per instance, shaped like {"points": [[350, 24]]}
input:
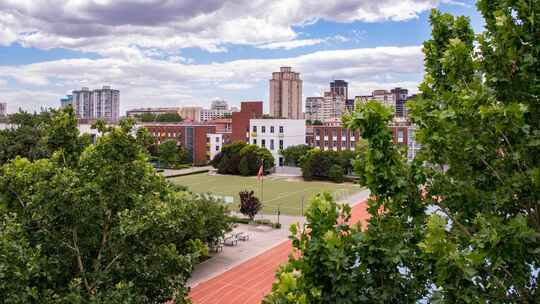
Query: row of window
{"points": [[167, 134], [263, 129], [334, 132], [263, 143], [335, 143]]}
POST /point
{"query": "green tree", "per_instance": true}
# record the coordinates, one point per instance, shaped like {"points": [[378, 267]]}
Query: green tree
{"points": [[168, 153], [105, 228], [147, 141], [164, 117], [241, 158], [460, 224], [292, 154], [243, 167], [249, 204], [25, 137], [335, 173]]}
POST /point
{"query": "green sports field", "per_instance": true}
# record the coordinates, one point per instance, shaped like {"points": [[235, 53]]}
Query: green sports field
{"points": [[285, 194]]}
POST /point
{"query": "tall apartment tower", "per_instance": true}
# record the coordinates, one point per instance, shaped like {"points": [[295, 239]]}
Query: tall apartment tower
{"points": [[97, 104], [400, 98], [339, 88], [286, 94]]}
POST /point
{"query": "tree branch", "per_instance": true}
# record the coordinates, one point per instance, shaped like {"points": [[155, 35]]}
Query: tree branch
{"points": [[79, 260]]}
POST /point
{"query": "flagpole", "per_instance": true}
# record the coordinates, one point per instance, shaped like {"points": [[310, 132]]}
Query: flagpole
{"points": [[262, 182]]}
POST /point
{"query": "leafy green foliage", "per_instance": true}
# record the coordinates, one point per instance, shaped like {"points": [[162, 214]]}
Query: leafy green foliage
{"points": [[101, 227], [25, 137], [249, 204], [165, 117], [293, 154], [459, 224], [317, 164], [240, 158], [335, 173]]}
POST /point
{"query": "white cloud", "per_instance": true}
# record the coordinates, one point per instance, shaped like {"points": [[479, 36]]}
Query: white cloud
{"points": [[145, 81], [100, 26], [236, 86], [288, 45]]}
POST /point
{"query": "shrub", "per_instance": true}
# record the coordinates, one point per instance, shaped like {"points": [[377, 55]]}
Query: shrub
{"points": [[243, 167], [336, 174]]}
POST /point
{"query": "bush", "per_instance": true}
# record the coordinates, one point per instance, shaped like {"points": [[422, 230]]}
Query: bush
{"points": [[241, 158], [243, 167], [336, 174]]}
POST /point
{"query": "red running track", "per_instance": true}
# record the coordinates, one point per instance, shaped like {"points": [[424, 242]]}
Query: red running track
{"points": [[250, 281]]}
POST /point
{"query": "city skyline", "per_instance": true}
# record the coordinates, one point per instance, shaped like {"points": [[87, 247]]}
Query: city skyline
{"points": [[374, 45]]}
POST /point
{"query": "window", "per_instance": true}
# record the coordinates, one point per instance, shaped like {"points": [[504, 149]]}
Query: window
{"points": [[317, 143], [280, 129], [271, 129], [254, 141], [334, 132], [400, 136], [254, 128], [326, 143], [263, 129], [325, 132], [263, 143], [271, 144], [281, 144], [217, 139], [217, 148], [318, 132]]}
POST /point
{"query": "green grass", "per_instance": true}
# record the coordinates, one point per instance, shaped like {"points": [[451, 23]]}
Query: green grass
{"points": [[282, 193]]}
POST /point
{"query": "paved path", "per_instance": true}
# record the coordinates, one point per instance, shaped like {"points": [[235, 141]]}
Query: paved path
{"points": [[179, 172], [250, 281]]}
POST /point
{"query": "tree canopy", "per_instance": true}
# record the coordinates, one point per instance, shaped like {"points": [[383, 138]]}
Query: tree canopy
{"points": [[96, 224], [242, 158], [460, 223]]}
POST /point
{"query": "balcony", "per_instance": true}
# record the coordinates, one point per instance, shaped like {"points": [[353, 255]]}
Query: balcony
{"points": [[253, 134]]}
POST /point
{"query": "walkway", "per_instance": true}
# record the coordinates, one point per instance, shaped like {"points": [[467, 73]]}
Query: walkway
{"points": [[251, 280], [179, 172]]}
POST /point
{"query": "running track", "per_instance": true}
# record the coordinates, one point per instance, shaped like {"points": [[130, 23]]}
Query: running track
{"points": [[250, 281]]}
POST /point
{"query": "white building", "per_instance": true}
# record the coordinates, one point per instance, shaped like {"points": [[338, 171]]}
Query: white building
{"points": [[99, 103], [214, 143], [277, 134], [211, 114]]}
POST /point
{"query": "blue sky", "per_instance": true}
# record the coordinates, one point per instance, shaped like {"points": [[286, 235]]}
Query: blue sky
{"points": [[166, 53]]}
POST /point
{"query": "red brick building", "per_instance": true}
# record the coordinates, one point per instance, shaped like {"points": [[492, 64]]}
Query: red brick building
{"points": [[331, 137], [191, 136], [240, 120]]}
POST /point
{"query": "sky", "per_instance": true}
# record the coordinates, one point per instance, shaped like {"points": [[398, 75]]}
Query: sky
{"points": [[172, 53]]}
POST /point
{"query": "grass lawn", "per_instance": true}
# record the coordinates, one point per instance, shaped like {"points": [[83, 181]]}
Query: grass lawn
{"points": [[285, 194]]}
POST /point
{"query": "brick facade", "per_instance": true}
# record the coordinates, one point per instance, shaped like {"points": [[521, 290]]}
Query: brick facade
{"points": [[240, 120]]}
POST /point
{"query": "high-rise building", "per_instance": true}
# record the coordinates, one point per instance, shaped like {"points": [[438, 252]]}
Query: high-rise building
{"points": [[399, 96], [286, 94], [101, 103], [313, 108], [339, 88], [333, 106], [3, 109], [66, 101]]}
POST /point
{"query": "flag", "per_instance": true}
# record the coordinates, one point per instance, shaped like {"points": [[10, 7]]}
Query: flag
{"points": [[260, 174]]}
